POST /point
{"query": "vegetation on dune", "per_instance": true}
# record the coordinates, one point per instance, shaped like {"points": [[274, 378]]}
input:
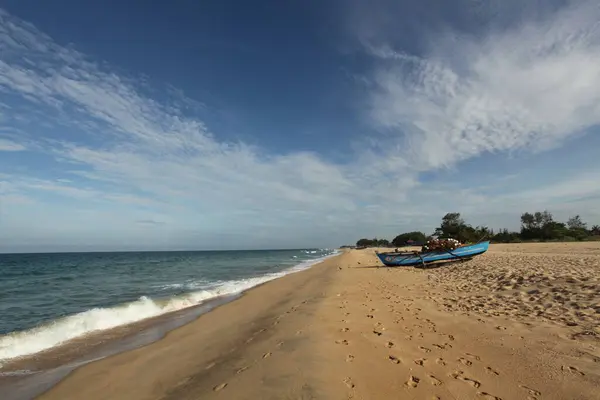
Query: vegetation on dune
{"points": [[404, 238], [537, 226], [373, 243]]}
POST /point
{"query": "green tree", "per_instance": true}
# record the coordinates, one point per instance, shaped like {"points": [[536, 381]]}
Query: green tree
{"points": [[537, 225], [383, 243], [595, 230], [577, 228], [451, 226], [576, 223], [416, 236], [372, 242], [505, 236], [364, 242], [543, 218], [528, 221], [554, 231], [482, 232]]}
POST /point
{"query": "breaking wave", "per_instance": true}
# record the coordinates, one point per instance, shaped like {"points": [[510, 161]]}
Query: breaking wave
{"points": [[59, 331]]}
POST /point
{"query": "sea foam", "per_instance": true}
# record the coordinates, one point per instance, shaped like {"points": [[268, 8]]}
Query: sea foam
{"points": [[59, 331]]}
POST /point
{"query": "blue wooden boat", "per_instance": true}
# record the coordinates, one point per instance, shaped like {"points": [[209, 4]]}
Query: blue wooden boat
{"points": [[394, 259]]}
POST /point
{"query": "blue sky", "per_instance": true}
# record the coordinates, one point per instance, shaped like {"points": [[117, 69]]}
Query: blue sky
{"points": [[126, 125]]}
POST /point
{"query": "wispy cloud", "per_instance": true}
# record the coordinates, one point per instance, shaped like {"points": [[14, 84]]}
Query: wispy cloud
{"points": [[143, 161], [530, 87], [8, 145], [149, 222], [153, 149]]}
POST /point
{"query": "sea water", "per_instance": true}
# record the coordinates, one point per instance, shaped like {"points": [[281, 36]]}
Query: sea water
{"points": [[49, 299]]}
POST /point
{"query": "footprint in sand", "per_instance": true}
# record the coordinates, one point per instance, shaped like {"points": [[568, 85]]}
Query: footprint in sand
{"points": [[420, 361], [377, 333], [464, 361], [472, 382], [451, 337], [369, 316], [279, 344], [434, 381], [572, 370], [344, 329], [394, 359], [488, 396], [240, 370], [473, 356], [531, 391], [489, 370], [348, 382], [344, 341], [389, 345], [440, 361], [459, 376], [425, 349], [349, 358], [412, 382], [268, 354], [219, 387], [209, 366]]}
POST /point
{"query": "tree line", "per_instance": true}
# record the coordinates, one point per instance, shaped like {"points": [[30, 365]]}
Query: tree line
{"points": [[537, 226]]}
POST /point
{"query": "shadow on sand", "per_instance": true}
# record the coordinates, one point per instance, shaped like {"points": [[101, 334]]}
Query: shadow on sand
{"points": [[433, 265]]}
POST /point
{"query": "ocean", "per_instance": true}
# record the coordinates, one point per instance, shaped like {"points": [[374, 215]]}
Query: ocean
{"points": [[49, 299]]}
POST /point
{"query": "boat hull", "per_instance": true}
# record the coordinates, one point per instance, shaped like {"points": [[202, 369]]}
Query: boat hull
{"points": [[408, 259]]}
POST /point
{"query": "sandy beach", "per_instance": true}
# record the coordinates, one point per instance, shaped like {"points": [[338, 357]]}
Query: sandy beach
{"points": [[519, 322]]}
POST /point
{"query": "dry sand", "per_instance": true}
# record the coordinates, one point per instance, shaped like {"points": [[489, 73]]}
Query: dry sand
{"points": [[519, 322]]}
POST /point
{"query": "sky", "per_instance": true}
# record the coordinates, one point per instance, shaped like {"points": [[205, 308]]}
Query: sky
{"points": [[187, 125]]}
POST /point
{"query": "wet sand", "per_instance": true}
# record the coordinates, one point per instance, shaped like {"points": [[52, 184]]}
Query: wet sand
{"points": [[519, 322]]}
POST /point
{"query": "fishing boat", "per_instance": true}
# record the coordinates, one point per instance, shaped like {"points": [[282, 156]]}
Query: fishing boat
{"points": [[407, 258]]}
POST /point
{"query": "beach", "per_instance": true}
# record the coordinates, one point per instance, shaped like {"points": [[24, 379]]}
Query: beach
{"points": [[519, 322]]}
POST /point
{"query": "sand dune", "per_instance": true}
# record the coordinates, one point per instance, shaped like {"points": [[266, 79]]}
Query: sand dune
{"points": [[520, 322]]}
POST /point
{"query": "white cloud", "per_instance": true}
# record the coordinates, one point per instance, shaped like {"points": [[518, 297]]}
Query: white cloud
{"points": [[527, 88], [580, 186], [9, 145], [155, 165]]}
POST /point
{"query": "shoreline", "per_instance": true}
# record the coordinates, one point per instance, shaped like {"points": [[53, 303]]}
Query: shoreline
{"points": [[223, 331], [29, 376], [516, 322]]}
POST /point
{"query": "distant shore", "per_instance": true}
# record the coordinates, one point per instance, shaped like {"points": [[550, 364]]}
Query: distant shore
{"points": [[517, 322]]}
